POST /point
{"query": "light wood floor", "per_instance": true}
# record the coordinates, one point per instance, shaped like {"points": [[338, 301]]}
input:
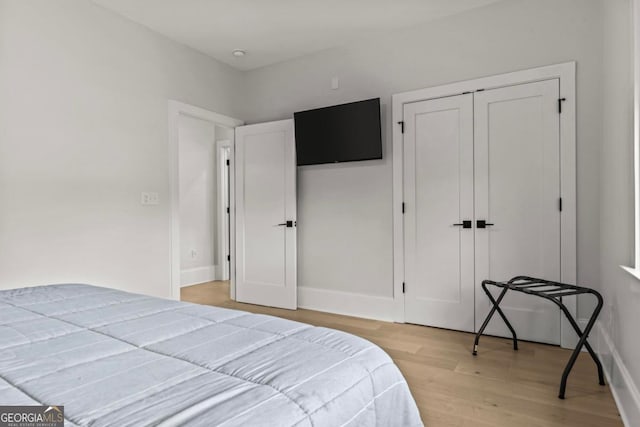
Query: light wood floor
{"points": [[499, 387]]}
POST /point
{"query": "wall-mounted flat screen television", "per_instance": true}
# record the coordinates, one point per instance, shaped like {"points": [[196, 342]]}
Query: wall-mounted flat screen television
{"points": [[341, 133]]}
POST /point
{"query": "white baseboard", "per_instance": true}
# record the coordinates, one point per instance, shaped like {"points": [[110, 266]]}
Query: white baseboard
{"points": [[346, 303], [623, 387], [193, 276]]}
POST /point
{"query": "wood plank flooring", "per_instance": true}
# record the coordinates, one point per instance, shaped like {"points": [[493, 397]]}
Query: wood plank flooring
{"points": [[499, 387]]}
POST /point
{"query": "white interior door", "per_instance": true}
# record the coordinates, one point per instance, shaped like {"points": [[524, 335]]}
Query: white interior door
{"points": [[265, 182], [438, 186], [224, 208], [517, 189]]}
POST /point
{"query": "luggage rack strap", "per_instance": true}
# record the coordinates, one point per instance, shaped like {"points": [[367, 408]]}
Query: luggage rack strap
{"points": [[562, 293], [528, 285]]}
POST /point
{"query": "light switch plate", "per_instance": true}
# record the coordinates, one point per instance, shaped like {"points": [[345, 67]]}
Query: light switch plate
{"points": [[150, 198]]}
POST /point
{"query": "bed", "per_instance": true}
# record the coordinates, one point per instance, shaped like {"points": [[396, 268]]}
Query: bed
{"points": [[117, 358]]}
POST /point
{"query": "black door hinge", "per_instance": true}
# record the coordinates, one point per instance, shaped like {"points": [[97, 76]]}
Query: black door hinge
{"points": [[227, 162], [560, 101], [560, 204], [401, 123], [228, 257], [403, 207], [403, 287], [228, 210]]}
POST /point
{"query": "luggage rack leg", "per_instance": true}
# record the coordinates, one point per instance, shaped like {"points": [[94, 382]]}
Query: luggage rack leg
{"points": [[496, 307], [582, 342]]}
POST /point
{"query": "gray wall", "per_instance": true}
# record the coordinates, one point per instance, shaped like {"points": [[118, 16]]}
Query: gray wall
{"points": [[83, 130], [345, 217], [621, 315]]}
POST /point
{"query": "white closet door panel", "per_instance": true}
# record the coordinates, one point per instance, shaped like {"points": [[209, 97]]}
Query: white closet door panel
{"points": [[266, 199], [438, 185], [517, 188]]}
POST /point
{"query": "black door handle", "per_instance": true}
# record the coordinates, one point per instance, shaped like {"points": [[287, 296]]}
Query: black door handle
{"points": [[464, 224], [288, 224], [481, 223]]}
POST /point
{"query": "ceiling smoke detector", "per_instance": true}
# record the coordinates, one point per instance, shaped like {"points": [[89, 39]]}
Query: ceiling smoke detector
{"points": [[239, 53]]}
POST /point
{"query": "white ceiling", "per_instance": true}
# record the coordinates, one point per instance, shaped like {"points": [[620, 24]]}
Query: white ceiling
{"points": [[276, 30]]}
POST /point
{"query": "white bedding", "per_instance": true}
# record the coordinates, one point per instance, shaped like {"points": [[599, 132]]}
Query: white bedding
{"points": [[115, 358]]}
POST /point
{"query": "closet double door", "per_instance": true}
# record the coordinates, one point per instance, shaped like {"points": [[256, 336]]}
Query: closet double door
{"points": [[482, 192]]}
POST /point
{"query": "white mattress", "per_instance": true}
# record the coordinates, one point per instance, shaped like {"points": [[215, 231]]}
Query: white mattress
{"points": [[115, 358]]}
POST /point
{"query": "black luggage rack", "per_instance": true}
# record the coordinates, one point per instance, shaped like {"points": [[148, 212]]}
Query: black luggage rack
{"points": [[553, 291]]}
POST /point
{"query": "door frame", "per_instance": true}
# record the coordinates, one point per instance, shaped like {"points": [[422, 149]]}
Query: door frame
{"points": [[566, 73], [175, 110], [223, 153]]}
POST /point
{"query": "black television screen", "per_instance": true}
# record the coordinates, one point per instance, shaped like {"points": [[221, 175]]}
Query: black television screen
{"points": [[342, 133]]}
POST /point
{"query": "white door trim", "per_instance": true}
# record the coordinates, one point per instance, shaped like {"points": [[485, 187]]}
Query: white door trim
{"points": [[566, 72], [223, 153], [175, 109]]}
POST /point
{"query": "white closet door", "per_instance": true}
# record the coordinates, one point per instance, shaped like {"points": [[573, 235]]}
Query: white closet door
{"points": [[265, 179], [517, 189], [438, 185]]}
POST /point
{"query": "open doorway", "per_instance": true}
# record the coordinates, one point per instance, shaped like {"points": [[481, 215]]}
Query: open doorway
{"points": [[201, 154]]}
